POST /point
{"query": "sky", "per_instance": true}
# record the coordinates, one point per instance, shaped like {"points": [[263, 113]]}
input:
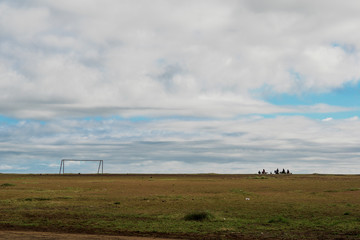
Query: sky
{"points": [[188, 86]]}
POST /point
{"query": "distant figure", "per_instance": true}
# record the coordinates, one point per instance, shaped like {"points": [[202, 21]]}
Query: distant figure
{"points": [[288, 172], [283, 171], [259, 172], [276, 171]]}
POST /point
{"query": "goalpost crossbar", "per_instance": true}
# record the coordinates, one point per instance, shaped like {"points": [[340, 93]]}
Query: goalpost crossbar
{"points": [[100, 167]]}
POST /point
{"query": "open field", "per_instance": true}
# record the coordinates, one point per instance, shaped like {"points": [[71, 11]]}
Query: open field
{"points": [[205, 206]]}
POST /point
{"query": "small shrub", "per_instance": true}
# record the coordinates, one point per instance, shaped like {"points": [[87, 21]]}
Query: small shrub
{"points": [[7, 185], [117, 203], [346, 213], [279, 219], [198, 216]]}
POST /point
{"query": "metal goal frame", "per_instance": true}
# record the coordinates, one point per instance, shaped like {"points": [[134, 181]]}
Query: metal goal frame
{"points": [[99, 171]]}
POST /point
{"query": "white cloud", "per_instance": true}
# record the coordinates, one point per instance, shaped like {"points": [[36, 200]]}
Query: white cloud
{"points": [[327, 119], [355, 118], [23, 24], [5, 167], [169, 145], [95, 55]]}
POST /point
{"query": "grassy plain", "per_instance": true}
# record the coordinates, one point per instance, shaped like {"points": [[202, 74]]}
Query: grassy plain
{"points": [[233, 206]]}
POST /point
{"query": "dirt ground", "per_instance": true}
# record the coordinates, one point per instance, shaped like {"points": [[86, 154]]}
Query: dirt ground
{"points": [[24, 235]]}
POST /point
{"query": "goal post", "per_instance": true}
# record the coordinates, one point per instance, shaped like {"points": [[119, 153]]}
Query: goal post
{"points": [[100, 169]]}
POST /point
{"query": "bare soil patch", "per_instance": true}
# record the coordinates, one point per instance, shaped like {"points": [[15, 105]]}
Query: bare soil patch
{"points": [[25, 235]]}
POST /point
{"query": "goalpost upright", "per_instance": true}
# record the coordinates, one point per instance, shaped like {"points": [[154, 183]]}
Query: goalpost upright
{"points": [[100, 167]]}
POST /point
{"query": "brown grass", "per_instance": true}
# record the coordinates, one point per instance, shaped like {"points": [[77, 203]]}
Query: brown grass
{"points": [[280, 206]]}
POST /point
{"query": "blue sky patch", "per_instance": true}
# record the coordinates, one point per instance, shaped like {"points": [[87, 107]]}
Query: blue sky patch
{"points": [[133, 119], [317, 116], [8, 120], [348, 48], [346, 96]]}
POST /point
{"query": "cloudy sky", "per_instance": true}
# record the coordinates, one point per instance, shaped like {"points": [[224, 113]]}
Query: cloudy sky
{"points": [[180, 86]]}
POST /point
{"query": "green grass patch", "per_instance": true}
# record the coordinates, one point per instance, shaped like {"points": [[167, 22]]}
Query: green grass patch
{"points": [[198, 216], [279, 219], [240, 191]]}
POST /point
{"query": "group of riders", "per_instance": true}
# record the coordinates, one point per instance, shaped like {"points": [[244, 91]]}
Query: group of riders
{"points": [[277, 171]]}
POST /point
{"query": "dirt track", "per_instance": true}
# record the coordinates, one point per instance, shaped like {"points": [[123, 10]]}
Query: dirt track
{"points": [[24, 235]]}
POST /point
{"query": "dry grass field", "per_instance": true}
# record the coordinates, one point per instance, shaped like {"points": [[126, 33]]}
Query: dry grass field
{"points": [[204, 206]]}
